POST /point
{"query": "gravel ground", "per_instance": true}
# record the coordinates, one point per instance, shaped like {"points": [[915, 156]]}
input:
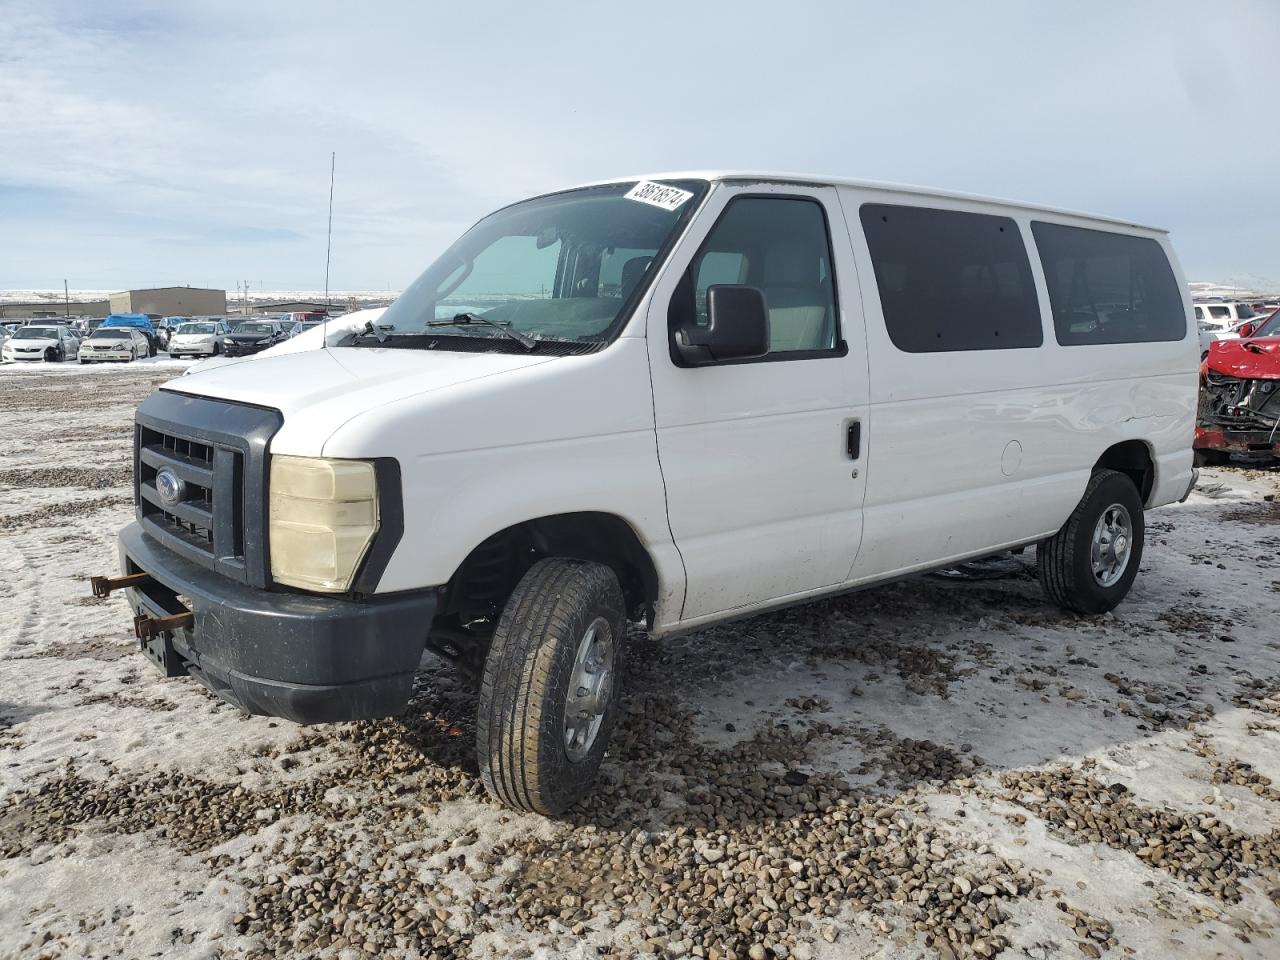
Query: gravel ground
{"points": [[945, 767]]}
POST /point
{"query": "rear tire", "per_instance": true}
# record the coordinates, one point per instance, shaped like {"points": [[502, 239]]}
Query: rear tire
{"points": [[547, 705], [1081, 567]]}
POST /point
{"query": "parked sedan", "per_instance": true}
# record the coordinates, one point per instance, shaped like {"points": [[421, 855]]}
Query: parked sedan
{"points": [[115, 343], [204, 338], [52, 343], [254, 336]]}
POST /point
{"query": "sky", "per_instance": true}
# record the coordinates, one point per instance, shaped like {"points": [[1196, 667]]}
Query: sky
{"points": [[160, 143]]}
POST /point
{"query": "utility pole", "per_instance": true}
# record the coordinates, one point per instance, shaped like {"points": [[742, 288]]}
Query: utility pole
{"points": [[66, 300]]}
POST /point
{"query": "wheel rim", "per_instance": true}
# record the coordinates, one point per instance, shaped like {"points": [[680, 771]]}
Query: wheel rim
{"points": [[590, 689], [1112, 545]]}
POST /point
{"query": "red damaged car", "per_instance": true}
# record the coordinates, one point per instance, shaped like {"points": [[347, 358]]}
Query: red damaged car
{"points": [[1240, 396]]}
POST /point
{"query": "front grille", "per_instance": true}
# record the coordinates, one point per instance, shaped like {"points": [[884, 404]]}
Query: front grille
{"points": [[192, 518], [217, 452]]}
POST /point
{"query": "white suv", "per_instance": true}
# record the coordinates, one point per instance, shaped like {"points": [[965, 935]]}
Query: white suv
{"points": [[198, 338], [670, 402]]}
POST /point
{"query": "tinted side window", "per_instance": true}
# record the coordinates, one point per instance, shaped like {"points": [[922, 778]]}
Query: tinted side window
{"points": [[1108, 287], [780, 245], [950, 280]]}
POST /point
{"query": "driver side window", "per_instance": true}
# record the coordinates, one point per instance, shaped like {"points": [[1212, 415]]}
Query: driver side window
{"points": [[781, 246]]}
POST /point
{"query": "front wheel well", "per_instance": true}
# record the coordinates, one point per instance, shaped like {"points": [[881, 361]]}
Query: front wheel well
{"points": [[473, 599], [1133, 459]]}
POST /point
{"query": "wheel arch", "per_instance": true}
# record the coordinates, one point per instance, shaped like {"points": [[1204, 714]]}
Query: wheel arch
{"points": [[492, 568], [1135, 460]]}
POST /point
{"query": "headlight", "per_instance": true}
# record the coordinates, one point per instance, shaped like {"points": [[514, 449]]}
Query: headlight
{"points": [[323, 516]]}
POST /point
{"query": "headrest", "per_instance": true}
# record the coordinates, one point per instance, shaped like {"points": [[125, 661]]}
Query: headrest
{"points": [[632, 271], [790, 263]]}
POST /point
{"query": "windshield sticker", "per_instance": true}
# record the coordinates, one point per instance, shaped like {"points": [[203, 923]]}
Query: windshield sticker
{"points": [[659, 195]]}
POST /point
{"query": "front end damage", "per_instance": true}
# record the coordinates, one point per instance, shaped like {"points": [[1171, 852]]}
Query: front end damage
{"points": [[1239, 414]]}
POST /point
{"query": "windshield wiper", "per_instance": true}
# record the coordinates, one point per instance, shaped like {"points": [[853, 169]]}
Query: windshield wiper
{"points": [[467, 319], [368, 329]]}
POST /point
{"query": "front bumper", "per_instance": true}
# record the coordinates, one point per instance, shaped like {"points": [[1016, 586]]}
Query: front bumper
{"points": [[115, 353], [192, 349], [306, 658], [1250, 445], [233, 349]]}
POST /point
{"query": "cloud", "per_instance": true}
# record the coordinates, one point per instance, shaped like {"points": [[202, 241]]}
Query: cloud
{"points": [[211, 124]]}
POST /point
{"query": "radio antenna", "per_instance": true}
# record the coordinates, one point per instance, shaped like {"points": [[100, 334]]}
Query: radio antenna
{"points": [[328, 250]]}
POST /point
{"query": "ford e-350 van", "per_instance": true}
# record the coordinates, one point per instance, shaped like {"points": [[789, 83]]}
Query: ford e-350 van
{"points": [[669, 401]]}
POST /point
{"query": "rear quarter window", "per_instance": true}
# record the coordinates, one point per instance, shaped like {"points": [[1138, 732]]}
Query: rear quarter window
{"points": [[950, 280], [1108, 287]]}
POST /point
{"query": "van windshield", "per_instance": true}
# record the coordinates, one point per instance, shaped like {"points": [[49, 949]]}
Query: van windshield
{"points": [[567, 266]]}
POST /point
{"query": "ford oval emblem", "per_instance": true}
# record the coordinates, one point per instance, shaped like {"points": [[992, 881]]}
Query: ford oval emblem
{"points": [[170, 486]]}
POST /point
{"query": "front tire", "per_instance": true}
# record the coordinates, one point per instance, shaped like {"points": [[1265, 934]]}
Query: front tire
{"points": [[1089, 565], [548, 693]]}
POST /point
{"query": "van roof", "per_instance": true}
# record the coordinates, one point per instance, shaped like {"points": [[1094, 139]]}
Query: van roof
{"points": [[816, 180]]}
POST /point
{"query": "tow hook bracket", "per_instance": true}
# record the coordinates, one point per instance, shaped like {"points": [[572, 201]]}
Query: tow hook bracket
{"points": [[102, 586], [148, 628]]}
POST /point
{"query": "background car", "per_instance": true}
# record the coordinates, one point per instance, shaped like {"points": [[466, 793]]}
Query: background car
{"points": [[254, 336], [301, 316], [50, 343], [139, 321], [198, 338], [115, 343], [1224, 314]]}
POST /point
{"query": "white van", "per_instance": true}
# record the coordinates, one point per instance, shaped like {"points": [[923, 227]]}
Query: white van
{"points": [[671, 401]]}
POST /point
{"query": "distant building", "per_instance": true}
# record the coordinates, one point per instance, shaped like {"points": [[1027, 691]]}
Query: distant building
{"points": [[49, 309], [171, 302], [293, 306]]}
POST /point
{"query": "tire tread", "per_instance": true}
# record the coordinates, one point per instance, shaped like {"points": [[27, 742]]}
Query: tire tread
{"points": [[519, 684], [1058, 556]]}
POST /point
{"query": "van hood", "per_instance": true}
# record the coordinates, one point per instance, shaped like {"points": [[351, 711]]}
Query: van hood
{"points": [[1250, 359], [345, 380]]}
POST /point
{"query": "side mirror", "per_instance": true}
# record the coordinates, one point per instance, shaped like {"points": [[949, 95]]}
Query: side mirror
{"points": [[1246, 330], [737, 327]]}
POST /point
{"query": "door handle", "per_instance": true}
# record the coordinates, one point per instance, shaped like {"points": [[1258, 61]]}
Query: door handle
{"points": [[853, 440]]}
